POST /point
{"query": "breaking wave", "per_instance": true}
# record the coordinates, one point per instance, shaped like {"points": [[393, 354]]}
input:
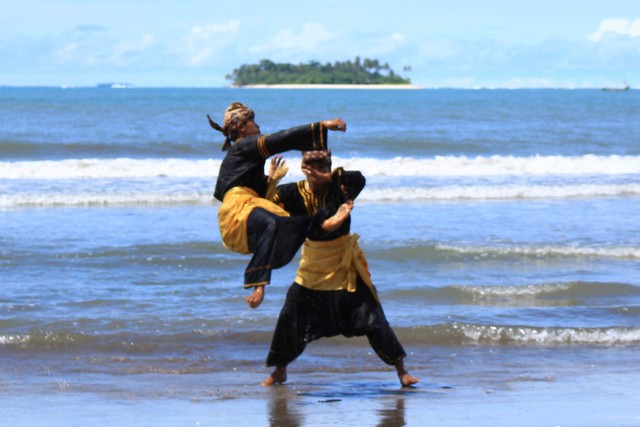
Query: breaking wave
{"points": [[546, 251], [439, 166], [470, 334], [392, 195]]}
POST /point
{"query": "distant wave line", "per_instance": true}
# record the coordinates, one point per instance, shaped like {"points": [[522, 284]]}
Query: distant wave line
{"points": [[97, 199], [391, 195], [545, 251], [487, 192], [506, 334], [445, 166], [455, 333], [514, 295], [439, 166]]}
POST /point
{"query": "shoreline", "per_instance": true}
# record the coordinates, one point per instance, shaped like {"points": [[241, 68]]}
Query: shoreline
{"points": [[331, 86], [537, 396]]}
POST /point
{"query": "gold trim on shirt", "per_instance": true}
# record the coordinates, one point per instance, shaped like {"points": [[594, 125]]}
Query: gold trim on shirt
{"points": [[261, 147], [312, 202], [334, 265]]}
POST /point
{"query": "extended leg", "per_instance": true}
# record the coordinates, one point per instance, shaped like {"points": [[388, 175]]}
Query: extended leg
{"points": [[278, 376], [406, 379], [274, 240], [369, 317]]}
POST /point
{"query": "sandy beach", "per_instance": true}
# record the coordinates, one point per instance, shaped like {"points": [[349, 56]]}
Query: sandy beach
{"points": [[548, 394]]}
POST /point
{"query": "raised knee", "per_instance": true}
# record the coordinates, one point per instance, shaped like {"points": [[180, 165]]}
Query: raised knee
{"points": [[270, 224]]}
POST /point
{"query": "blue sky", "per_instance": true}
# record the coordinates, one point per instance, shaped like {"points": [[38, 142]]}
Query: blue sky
{"points": [[454, 43]]}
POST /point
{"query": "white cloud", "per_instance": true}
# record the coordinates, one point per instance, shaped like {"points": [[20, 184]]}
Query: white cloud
{"points": [[439, 50], [91, 28], [312, 37], [616, 26], [204, 42], [126, 49], [67, 52], [98, 49], [398, 37], [80, 52]]}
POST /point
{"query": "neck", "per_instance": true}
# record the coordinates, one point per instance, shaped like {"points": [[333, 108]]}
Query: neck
{"points": [[316, 187]]}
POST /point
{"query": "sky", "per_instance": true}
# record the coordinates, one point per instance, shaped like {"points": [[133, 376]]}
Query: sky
{"points": [[197, 43]]}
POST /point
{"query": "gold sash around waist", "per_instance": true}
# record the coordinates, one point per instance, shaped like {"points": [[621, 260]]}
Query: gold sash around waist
{"points": [[234, 212], [334, 265]]}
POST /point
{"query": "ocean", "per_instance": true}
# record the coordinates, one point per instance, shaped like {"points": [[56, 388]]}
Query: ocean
{"points": [[501, 229]]}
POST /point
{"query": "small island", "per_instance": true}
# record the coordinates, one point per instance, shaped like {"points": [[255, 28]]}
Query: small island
{"points": [[367, 72]]}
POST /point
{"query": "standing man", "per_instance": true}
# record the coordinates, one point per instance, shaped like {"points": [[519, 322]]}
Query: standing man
{"points": [[332, 293]]}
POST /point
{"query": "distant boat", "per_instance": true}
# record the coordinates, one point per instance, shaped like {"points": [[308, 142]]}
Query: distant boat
{"points": [[616, 89], [115, 85]]}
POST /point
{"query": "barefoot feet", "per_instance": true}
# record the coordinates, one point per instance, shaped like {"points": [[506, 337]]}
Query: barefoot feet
{"points": [[334, 222], [278, 376], [406, 379]]}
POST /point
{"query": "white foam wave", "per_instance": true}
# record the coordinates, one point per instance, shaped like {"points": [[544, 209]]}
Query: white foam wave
{"points": [[497, 165], [494, 192], [94, 199], [546, 251], [13, 339], [69, 197], [529, 291], [529, 335], [440, 166], [108, 168]]}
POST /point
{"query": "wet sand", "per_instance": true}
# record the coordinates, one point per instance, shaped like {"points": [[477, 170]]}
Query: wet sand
{"points": [[561, 390], [356, 401]]}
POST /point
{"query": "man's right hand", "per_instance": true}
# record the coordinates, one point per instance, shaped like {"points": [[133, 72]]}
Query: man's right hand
{"points": [[335, 124]]}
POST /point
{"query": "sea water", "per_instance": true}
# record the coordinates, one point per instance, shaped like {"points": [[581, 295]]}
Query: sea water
{"points": [[501, 229]]}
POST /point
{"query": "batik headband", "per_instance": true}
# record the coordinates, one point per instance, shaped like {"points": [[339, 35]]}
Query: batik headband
{"points": [[235, 115]]}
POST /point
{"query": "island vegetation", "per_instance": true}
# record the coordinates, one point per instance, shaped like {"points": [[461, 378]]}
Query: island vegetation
{"points": [[357, 72]]}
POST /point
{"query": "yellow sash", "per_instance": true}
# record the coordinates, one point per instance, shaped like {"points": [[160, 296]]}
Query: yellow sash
{"points": [[334, 265], [234, 212]]}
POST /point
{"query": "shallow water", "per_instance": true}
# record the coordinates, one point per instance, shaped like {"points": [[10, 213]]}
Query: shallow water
{"points": [[499, 227]]}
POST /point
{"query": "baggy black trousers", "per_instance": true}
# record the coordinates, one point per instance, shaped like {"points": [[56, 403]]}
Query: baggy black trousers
{"points": [[274, 240], [308, 315]]}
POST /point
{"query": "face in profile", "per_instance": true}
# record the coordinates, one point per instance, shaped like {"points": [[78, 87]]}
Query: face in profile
{"points": [[248, 128]]}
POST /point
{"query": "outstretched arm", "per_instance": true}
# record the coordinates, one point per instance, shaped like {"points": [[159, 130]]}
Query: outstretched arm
{"points": [[301, 138]]}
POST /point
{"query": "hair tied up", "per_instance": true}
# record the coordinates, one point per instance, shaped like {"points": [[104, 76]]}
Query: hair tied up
{"points": [[214, 125]]}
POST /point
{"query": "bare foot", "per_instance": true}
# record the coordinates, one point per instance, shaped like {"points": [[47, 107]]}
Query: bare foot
{"points": [[256, 297], [278, 376], [339, 217], [407, 380]]}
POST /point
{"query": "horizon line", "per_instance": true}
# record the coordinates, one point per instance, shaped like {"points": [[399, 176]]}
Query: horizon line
{"points": [[130, 86]]}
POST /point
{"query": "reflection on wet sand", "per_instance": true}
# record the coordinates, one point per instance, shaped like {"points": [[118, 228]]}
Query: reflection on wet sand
{"points": [[280, 413], [287, 408], [393, 417]]}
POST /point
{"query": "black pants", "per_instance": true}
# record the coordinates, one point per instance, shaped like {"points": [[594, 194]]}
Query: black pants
{"points": [[308, 315], [274, 241]]}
